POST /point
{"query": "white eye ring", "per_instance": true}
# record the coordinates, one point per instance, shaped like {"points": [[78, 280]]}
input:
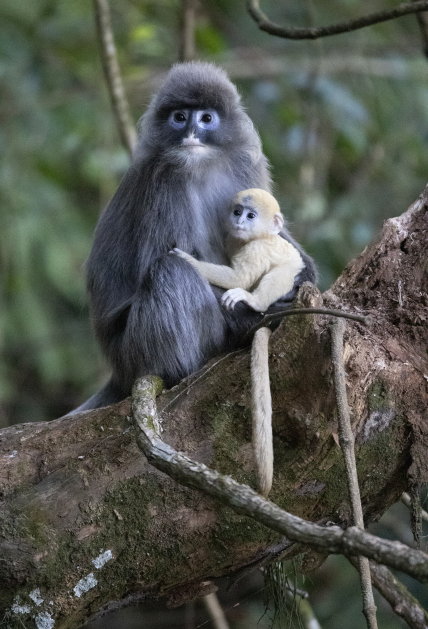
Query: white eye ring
{"points": [[177, 119], [212, 119]]}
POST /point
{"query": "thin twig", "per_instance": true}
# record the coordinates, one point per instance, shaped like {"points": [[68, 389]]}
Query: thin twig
{"points": [[346, 440], [265, 24], [306, 614], [185, 391], [423, 26], [244, 500], [405, 499], [416, 511], [188, 47], [126, 127], [366, 320], [215, 611], [397, 595]]}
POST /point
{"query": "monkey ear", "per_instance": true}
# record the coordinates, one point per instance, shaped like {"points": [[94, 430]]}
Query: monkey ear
{"points": [[278, 222]]}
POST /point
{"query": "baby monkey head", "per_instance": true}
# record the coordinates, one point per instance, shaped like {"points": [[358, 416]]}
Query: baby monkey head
{"points": [[255, 213]]}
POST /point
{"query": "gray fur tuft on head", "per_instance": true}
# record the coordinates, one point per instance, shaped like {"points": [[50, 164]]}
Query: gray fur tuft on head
{"points": [[197, 84]]}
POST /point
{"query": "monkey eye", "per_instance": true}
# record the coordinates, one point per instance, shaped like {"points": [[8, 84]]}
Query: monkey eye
{"points": [[251, 215], [208, 119], [177, 119], [237, 212]]}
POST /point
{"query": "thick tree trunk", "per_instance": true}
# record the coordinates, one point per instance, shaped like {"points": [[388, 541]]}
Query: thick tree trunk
{"points": [[86, 520]]}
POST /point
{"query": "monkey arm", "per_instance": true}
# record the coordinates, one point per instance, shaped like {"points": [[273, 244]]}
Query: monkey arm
{"points": [[275, 284], [243, 272]]}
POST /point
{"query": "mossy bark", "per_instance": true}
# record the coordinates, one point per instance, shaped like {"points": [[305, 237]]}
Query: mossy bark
{"points": [[86, 521]]}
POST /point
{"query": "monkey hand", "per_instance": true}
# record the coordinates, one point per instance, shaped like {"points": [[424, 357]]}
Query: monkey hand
{"points": [[233, 295], [182, 254]]}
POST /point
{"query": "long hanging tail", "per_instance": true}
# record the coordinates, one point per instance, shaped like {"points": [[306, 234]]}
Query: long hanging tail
{"points": [[261, 406], [109, 394]]}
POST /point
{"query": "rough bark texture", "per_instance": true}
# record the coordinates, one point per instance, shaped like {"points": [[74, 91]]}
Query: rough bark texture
{"points": [[85, 520]]}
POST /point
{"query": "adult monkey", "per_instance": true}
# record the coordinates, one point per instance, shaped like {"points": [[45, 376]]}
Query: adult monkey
{"points": [[153, 313]]}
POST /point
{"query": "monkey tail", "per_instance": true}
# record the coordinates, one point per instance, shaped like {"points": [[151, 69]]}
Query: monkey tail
{"points": [[109, 394], [261, 405]]}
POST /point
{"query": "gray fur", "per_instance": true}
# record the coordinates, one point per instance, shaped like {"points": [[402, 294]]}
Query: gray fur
{"points": [[152, 312]]}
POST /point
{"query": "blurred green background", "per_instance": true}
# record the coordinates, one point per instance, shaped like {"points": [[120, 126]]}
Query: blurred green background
{"points": [[343, 120]]}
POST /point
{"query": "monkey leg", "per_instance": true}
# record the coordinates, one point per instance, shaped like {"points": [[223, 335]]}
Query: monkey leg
{"points": [[174, 324], [238, 321]]}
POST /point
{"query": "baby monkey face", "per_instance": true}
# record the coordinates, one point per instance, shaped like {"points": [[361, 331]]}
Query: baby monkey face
{"points": [[244, 222], [255, 213]]}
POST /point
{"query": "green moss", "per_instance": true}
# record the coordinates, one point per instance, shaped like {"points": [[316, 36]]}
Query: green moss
{"points": [[235, 528], [379, 397], [231, 426]]}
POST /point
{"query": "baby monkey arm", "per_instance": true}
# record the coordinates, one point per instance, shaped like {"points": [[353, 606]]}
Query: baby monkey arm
{"points": [[239, 274], [276, 283]]}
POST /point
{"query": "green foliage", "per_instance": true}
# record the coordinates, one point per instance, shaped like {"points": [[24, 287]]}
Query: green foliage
{"points": [[343, 122]]}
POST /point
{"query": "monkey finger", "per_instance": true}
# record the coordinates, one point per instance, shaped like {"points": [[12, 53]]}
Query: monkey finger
{"points": [[234, 301], [229, 301], [225, 300], [177, 252], [227, 296]]}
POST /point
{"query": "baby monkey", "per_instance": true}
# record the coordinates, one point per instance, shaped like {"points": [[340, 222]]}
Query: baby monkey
{"points": [[263, 265]]}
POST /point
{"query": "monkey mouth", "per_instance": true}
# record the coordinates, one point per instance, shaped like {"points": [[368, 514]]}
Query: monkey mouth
{"points": [[239, 231], [192, 142]]}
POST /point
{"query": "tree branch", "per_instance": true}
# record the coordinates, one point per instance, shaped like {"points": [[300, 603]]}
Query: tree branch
{"points": [[188, 47], [244, 500], [215, 611], [405, 499], [268, 319], [85, 519], [347, 442], [423, 27], [125, 126], [397, 595], [265, 24]]}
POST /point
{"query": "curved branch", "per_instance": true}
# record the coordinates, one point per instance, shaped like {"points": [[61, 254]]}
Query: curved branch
{"points": [[402, 602], [405, 499], [126, 128], [265, 24], [188, 47], [423, 27], [366, 320], [347, 443], [244, 500]]}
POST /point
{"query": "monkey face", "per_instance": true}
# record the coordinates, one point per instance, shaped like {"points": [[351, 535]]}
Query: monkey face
{"points": [[199, 122], [194, 131], [250, 220], [190, 134], [244, 222], [255, 213]]}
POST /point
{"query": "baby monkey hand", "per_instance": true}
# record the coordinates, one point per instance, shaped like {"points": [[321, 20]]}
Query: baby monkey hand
{"points": [[233, 295], [182, 254]]}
